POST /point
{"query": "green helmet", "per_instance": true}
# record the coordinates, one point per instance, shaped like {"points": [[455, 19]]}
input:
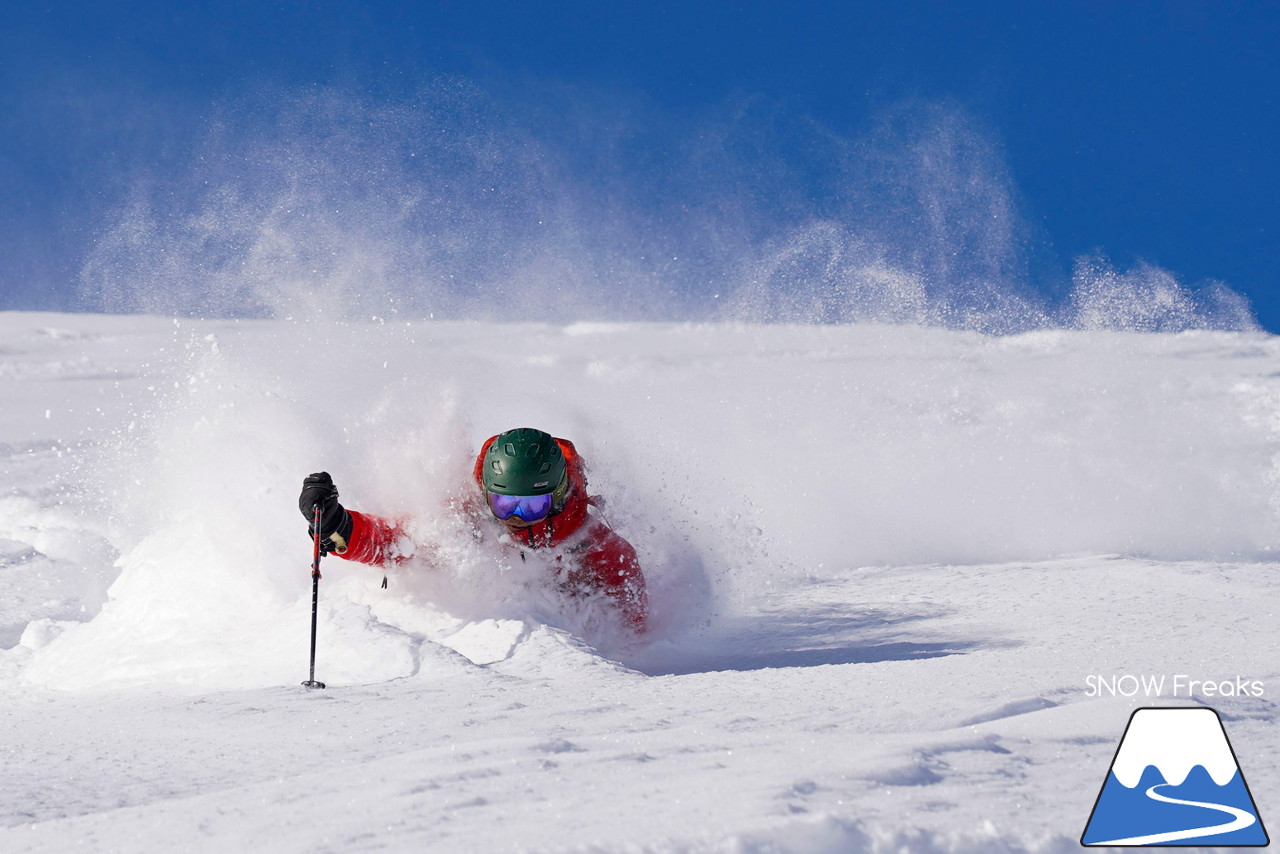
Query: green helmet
{"points": [[524, 462]]}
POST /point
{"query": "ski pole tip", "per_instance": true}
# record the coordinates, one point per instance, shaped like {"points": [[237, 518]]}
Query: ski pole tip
{"points": [[311, 683]]}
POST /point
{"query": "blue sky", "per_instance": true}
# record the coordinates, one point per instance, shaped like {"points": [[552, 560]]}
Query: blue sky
{"points": [[1142, 130]]}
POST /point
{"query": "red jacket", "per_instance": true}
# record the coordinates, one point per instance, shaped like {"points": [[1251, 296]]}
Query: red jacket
{"points": [[593, 554]]}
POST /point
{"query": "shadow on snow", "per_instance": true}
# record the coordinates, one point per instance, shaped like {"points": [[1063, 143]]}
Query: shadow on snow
{"points": [[807, 638]]}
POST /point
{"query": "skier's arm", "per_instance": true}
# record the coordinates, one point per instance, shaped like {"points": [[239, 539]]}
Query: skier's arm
{"points": [[615, 569], [374, 540], [347, 534]]}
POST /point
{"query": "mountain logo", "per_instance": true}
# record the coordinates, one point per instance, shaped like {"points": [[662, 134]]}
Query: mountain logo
{"points": [[1175, 781]]}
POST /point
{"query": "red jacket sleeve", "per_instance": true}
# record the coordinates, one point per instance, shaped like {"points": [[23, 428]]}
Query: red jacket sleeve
{"points": [[611, 565], [373, 540]]}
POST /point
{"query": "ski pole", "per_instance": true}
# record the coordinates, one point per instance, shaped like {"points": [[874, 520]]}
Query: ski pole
{"points": [[315, 594]]}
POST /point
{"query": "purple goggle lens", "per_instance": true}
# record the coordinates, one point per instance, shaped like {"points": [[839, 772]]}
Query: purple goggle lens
{"points": [[531, 508]]}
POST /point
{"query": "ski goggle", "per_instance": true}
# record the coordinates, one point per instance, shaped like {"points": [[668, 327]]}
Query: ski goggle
{"points": [[531, 508]]}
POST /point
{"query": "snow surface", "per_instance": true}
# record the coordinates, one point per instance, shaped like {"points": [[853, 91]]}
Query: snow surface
{"points": [[884, 561]]}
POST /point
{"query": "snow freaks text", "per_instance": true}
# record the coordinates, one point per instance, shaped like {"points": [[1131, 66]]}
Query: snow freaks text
{"points": [[1177, 685]]}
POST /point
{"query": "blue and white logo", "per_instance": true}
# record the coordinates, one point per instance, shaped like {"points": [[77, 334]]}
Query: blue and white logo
{"points": [[1175, 781]]}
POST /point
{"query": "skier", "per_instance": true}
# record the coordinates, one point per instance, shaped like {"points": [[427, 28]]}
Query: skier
{"points": [[534, 488]]}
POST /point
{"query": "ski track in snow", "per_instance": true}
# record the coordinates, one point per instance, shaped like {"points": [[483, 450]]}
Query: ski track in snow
{"points": [[874, 642]]}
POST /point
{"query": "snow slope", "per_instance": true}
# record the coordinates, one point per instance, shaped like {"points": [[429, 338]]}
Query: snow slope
{"points": [[883, 561]]}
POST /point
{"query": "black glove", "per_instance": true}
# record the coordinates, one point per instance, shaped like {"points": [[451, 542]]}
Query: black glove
{"points": [[335, 521]]}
